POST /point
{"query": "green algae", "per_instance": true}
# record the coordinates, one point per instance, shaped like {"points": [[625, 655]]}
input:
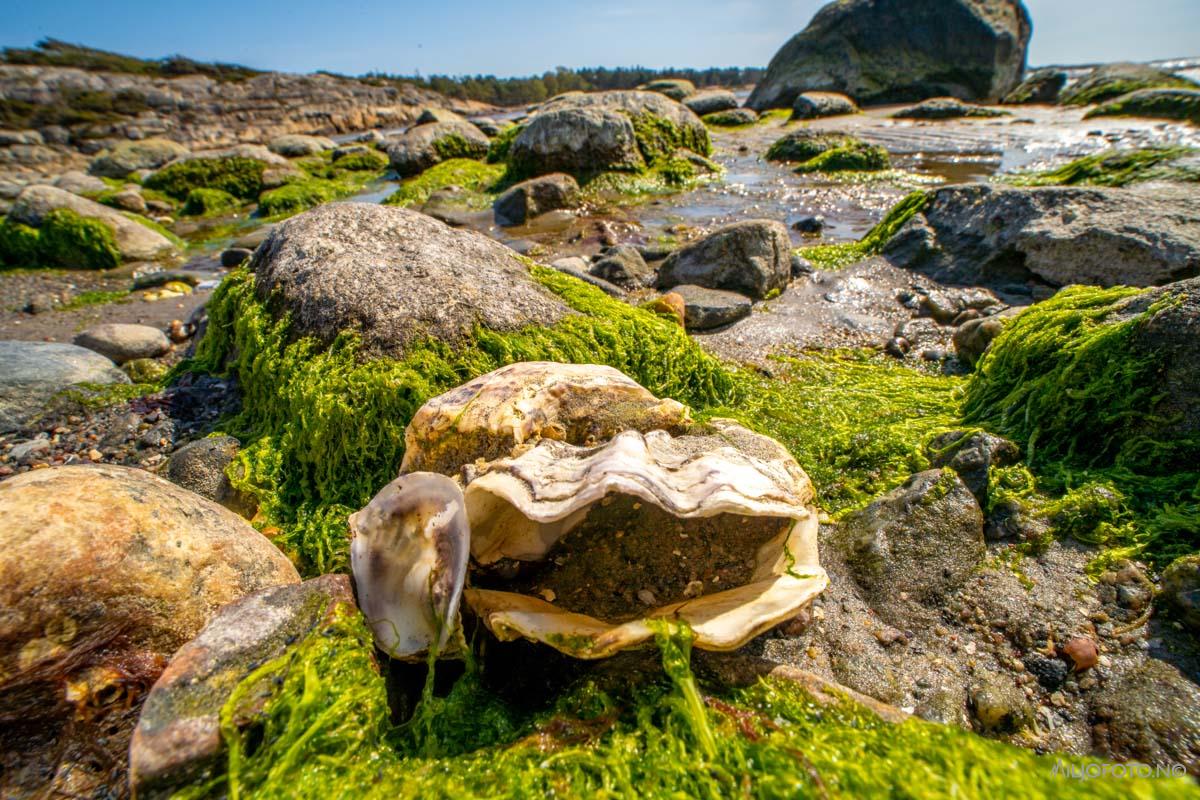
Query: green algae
{"points": [[1064, 380], [204, 202], [455, 145], [502, 143], [240, 177], [1110, 88], [483, 182], [1115, 168], [315, 723], [94, 298], [857, 422], [836, 256], [855, 157], [658, 138], [64, 239], [368, 160], [1183, 104], [297, 196], [797, 147]]}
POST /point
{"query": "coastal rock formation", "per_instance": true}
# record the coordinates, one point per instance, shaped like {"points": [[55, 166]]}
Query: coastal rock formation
{"points": [[421, 147], [887, 51], [752, 258], [982, 235]]}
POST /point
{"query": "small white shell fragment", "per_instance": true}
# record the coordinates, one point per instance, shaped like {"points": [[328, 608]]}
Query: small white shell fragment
{"points": [[409, 559]]}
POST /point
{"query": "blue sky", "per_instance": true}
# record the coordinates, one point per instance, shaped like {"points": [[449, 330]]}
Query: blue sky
{"points": [[520, 37]]}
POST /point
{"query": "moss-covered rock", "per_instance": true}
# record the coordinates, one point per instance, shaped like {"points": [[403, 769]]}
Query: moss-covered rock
{"points": [[236, 175], [946, 108], [362, 160], [585, 134], [733, 118], [297, 196], [1179, 104], [805, 144], [209, 202], [1040, 86], [482, 181], [854, 157], [674, 88], [1113, 80], [1118, 168], [51, 227], [423, 146]]}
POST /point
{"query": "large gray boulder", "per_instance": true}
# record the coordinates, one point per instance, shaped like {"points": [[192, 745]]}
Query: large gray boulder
{"points": [[882, 51], [131, 156], [31, 373], [576, 140], [394, 275], [423, 146], [752, 257], [600, 131], [136, 242], [982, 235]]}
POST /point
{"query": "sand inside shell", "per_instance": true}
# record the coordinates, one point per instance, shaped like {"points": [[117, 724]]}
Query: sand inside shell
{"points": [[629, 556]]}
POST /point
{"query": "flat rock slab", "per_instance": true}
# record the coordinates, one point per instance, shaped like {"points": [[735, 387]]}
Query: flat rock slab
{"points": [[177, 739], [31, 373], [123, 342], [705, 309]]}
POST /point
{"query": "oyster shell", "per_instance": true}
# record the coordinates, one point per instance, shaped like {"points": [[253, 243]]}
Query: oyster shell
{"points": [[495, 413], [547, 450], [409, 559]]}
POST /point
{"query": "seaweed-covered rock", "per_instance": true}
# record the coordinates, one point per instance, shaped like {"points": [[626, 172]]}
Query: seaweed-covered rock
{"points": [[1110, 81], [623, 265], [972, 456], [946, 108], [814, 105], [178, 738], [973, 337], [419, 148], [392, 275], [600, 131], [805, 144], [131, 156], [1180, 104], [880, 51], [732, 118], [31, 373], [576, 140], [705, 309], [1101, 376], [123, 342], [534, 197], [132, 240], [1040, 86], [921, 540], [104, 573], [752, 257], [711, 101], [983, 235], [241, 171], [674, 88], [293, 145]]}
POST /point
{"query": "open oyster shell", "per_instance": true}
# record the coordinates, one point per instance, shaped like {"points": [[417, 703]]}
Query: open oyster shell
{"points": [[552, 454]]}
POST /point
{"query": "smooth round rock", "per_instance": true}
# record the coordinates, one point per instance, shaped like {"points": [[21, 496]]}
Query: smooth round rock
{"points": [[123, 342]]}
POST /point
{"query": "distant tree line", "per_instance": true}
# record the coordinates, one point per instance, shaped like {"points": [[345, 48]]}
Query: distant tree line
{"points": [[536, 88], [56, 53]]}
